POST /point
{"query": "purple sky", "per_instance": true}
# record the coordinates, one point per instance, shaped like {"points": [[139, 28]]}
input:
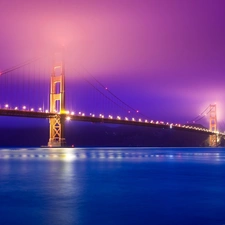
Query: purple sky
{"points": [[163, 57]]}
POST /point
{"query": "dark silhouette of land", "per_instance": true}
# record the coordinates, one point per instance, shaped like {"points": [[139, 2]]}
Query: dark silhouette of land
{"points": [[82, 134]]}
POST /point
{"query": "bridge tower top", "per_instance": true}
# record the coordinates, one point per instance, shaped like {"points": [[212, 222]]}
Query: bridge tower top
{"points": [[57, 93], [212, 117]]}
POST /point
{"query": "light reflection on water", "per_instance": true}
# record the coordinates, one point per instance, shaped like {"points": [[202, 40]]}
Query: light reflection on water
{"points": [[160, 154], [112, 186]]}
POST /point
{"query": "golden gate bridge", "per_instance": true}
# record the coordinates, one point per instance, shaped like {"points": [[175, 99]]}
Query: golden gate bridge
{"points": [[25, 83]]}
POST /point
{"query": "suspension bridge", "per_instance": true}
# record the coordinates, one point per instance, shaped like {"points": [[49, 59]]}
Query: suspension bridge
{"points": [[27, 84]]}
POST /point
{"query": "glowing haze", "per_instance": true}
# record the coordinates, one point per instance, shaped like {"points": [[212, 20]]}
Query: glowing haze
{"points": [[164, 57]]}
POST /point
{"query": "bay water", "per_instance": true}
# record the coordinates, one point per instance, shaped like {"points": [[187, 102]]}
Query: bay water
{"points": [[112, 186]]}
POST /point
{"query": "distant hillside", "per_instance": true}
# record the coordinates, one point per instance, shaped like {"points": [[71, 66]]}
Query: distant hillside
{"points": [[94, 134]]}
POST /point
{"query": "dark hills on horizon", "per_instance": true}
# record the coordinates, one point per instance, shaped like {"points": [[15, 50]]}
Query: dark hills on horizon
{"points": [[103, 135]]}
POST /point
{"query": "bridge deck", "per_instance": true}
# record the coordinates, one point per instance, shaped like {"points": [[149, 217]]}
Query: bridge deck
{"points": [[34, 114]]}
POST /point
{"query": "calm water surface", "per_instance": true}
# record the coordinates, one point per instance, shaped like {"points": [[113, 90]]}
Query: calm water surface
{"points": [[112, 186]]}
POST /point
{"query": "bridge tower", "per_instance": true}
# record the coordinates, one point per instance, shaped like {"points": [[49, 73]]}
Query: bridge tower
{"points": [[212, 125], [57, 102]]}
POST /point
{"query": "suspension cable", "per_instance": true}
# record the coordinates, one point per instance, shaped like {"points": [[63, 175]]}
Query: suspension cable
{"points": [[111, 93], [20, 65], [200, 115]]}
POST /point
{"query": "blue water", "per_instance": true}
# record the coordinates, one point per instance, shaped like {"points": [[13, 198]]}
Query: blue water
{"points": [[112, 186]]}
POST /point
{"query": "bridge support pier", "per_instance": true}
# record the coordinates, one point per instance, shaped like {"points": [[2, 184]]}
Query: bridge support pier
{"points": [[56, 130], [57, 103], [213, 140]]}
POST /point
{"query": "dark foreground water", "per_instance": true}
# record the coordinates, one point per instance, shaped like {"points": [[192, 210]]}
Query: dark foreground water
{"points": [[104, 186]]}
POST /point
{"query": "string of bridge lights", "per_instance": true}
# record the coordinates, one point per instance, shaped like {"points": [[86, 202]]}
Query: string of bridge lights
{"points": [[107, 118]]}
